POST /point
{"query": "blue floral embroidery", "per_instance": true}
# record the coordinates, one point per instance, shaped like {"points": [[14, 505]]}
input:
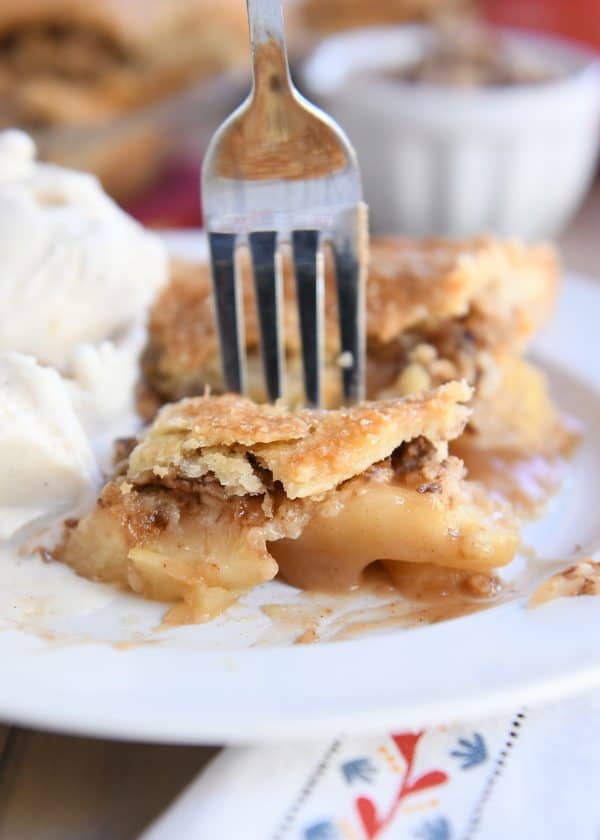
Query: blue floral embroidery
{"points": [[322, 831], [438, 829], [473, 752], [359, 768]]}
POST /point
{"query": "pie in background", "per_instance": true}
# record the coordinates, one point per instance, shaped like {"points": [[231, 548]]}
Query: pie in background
{"points": [[83, 76], [67, 62]]}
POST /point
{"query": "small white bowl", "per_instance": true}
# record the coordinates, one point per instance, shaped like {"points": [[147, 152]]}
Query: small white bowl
{"points": [[514, 160]]}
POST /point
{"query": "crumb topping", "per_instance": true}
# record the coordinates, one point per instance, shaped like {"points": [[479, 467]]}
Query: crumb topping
{"points": [[580, 579], [497, 292]]}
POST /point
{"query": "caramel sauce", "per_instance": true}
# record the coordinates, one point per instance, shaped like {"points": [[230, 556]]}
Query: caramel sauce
{"points": [[426, 595], [397, 616], [274, 135], [301, 620], [134, 644]]}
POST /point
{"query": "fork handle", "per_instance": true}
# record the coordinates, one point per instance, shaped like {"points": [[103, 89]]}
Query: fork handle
{"points": [[265, 18], [269, 66]]}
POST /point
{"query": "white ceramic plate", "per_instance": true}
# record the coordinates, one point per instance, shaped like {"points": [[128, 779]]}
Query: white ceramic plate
{"points": [[81, 657]]}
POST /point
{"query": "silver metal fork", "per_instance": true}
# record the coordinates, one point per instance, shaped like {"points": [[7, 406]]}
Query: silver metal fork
{"points": [[280, 171]]}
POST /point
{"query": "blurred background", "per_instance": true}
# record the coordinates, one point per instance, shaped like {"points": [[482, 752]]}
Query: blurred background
{"points": [[467, 115]]}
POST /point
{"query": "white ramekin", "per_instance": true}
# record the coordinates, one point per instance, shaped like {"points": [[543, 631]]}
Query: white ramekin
{"points": [[445, 160]]}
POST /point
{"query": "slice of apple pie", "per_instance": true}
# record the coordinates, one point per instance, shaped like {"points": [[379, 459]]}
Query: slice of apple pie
{"points": [[221, 493], [437, 311]]}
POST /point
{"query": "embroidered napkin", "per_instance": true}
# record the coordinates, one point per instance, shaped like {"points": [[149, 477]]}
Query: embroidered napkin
{"points": [[527, 774]]}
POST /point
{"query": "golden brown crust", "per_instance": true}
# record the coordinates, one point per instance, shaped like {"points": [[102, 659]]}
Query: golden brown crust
{"points": [[344, 443], [459, 298], [64, 61], [415, 283], [519, 297], [229, 419], [218, 487], [310, 452], [209, 435], [183, 339], [135, 25]]}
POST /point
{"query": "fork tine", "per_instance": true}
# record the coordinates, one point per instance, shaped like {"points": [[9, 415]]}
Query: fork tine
{"points": [[229, 311], [267, 282], [255, 177], [308, 271], [350, 283]]}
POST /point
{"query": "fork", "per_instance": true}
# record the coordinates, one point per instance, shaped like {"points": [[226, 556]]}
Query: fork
{"points": [[281, 172]]}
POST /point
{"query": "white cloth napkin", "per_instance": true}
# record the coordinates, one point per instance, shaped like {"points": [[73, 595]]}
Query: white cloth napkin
{"points": [[531, 774]]}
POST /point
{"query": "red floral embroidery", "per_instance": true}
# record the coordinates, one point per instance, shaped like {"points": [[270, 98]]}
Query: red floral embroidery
{"points": [[406, 743]]}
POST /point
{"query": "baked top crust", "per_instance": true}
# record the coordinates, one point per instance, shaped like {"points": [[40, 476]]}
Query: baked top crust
{"points": [[227, 420], [310, 451], [343, 443], [411, 283], [426, 282], [462, 298]]}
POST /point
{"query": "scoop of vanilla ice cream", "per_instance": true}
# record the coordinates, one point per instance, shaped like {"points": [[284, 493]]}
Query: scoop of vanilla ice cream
{"points": [[73, 266], [102, 384], [47, 466], [77, 276]]}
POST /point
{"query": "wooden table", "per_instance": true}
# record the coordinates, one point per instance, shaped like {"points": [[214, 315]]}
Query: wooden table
{"points": [[54, 787]]}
